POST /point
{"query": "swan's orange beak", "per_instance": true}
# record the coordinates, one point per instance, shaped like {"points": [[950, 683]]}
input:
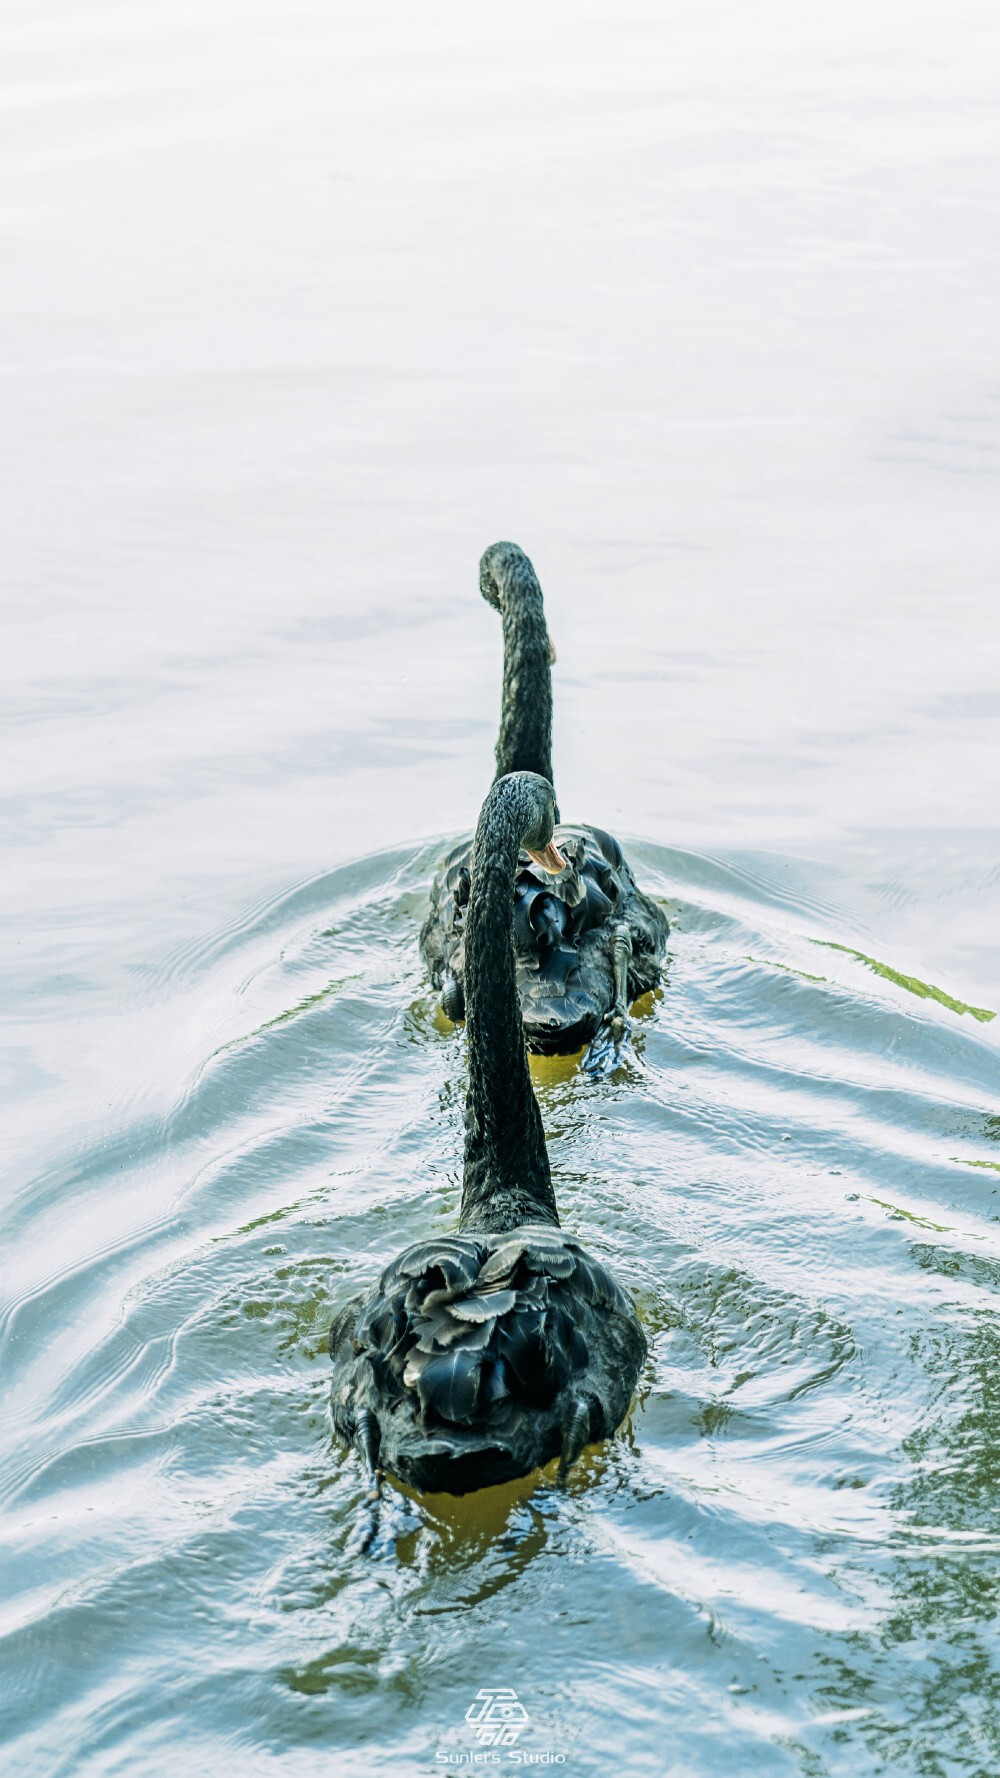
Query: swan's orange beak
{"points": [[551, 859], [552, 651]]}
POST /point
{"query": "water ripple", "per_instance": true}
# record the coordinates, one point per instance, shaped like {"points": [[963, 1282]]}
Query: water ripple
{"points": [[794, 1178]]}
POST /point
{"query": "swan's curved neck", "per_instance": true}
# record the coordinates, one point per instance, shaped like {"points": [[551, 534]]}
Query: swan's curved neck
{"points": [[524, 743], [506, 1178]]}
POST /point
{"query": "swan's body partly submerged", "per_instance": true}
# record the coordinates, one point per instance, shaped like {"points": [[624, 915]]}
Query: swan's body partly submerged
{"points": [[588, 942], [479, 1356]]}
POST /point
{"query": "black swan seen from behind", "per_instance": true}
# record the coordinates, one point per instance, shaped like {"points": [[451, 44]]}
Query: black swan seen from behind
{"points": [[479, 1356], [588, 941]]}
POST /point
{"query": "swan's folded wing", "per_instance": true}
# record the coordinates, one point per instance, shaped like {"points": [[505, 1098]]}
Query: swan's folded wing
{"points": [[455, 1255], [444, 1332], [486, 1306], [449, 1265], [447, 1383], [535, 1250]]}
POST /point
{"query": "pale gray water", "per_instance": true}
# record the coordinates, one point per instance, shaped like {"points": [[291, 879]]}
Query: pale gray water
{"points": [[301, 307]]}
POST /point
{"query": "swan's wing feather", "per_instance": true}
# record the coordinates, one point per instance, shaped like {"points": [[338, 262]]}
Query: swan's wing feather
{"points": [[494, 1391], [501, 1265], [519, 1343], [535, 1250], [446, 1267], [551, 1258], [443, 1332], [447, 1383], [382, 1329], [595, 1284], [487, 1306], [542, 1348], [455, 1257], [599, 905]]}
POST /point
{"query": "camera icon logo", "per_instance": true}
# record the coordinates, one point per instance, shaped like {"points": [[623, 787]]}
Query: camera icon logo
{"points": [[497, 1716]]}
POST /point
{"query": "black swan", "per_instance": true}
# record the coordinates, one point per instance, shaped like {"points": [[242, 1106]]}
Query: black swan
{"points": [[479, 1356], [588, 942]]}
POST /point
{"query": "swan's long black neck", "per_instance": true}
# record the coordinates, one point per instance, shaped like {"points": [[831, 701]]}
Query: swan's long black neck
{"points": [[507, 1179], [509, 582]]}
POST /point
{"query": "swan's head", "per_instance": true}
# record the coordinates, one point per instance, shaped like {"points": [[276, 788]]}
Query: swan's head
{"points": [[536, 837], [533, 801], [506, 573]]}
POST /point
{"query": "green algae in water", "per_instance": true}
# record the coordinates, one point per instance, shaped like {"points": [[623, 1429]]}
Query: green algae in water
{"points": [[912, 983], [921, 1222], [786, 969]]}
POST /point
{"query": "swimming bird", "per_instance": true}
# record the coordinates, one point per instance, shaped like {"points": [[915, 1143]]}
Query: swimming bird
{"points": [[589, 942], [480, 1355]]}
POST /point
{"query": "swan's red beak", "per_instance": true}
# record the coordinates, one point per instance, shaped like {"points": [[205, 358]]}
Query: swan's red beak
{"points": [[552, 651], [551, 859]]}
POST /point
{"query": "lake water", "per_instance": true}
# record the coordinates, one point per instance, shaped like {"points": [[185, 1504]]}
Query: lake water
{"points": [[302, 306]]}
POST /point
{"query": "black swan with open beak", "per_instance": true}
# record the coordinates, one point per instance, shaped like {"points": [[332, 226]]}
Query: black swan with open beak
{"points": [[588, 941], [479, 1356]]}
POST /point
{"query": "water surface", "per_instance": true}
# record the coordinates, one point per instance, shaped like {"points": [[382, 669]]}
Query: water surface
{"points": [[302, 307]]}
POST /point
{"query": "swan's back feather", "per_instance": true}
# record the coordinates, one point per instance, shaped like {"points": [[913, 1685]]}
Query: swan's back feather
{"points": [[564, 930], [469, 1350]]}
